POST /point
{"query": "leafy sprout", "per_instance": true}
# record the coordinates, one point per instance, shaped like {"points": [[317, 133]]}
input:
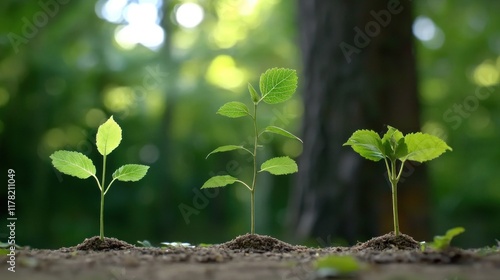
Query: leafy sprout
{"points": [[394, 147], [109, 136], [442, 242], [276, 85]]}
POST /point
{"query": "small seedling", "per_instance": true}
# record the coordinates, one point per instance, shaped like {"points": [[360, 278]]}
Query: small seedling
{"points": [[394, 146], [109, 136], [145, 243], [442, 242], [337, 266], [277, 85]]}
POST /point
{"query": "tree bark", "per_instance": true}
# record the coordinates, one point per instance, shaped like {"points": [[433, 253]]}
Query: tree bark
{"points": [[352, 81]]}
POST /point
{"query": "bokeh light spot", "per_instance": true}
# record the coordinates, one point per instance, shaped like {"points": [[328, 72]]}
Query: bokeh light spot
{"points": [[118, 99], [94, 117], [486, 74], [223, 72], [189, 15], [428, 32]]}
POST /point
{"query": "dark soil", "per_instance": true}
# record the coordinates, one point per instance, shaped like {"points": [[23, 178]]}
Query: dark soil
{"points": [[258, 244], [389, 241], [96, 244], [248, 257]]}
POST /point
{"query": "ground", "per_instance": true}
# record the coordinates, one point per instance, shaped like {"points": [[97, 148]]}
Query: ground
{"points": [[250, 257]]}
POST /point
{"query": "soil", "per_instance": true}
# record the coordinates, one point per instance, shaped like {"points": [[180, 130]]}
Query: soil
{"points": [[249, 257]]}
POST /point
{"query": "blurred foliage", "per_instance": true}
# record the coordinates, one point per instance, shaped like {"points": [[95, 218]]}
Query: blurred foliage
{"points": [[459, 72], [68, 71]]}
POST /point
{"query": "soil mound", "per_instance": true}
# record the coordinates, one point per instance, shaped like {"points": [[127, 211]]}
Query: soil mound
{"points": [[258, 243], [108, 244], [389, 241]]}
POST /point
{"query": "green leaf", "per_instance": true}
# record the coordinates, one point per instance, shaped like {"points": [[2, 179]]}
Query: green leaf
{"points": [[234, 109], [423, 147], [393, 143], [442, 242], [227, 148], [219, 181], [279, 166], [73, 164], [367, 143], [281, 131], [338, 265], [278, 85], [253, 93], [130, 172], [109, 136]]}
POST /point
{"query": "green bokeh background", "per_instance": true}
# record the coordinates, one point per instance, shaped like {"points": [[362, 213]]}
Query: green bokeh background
{"points": [[61, 81]]}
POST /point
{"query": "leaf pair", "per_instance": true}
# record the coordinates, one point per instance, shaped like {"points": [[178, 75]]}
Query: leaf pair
{"points": [[276, 166], [394, 145], [277, 85], [109, 136]]}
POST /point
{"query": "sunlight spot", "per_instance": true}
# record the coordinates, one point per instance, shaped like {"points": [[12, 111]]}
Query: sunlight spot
{"points": [[111, 10], [225, 35], [426, 31], [139, 22], [223, 72], [94, 117], [55, 138], [149, 35], [292, 147], [424, 28], [486, 74], [118, 99], [189, 15], [155, 104], [138, 14], [434, 90]]}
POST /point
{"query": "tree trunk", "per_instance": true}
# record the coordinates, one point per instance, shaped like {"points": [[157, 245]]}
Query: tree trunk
{"points": [[358, 72]]}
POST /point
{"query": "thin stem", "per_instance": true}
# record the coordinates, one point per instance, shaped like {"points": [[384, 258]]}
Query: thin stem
{"points": [[101, 231], [252, 190], [400, 170], [394, 186]]}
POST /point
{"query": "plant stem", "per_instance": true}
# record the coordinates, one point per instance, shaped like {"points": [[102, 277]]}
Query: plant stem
{"points": [[394, 186], [252, 191], [101, 230]]}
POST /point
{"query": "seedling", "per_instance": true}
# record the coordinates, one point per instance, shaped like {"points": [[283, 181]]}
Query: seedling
{"points": [[394, 146], [277, 85], [109, 136], [442, 242], [337, 266]]}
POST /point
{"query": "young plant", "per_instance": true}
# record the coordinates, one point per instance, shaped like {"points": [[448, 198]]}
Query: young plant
{"points": [[109, 136], [442, 242], [394, 147], [277, 85]]}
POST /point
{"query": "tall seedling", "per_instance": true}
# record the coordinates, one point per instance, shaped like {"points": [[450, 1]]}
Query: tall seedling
{"points": [[109, 136], [393, 147], [277, 85]]}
